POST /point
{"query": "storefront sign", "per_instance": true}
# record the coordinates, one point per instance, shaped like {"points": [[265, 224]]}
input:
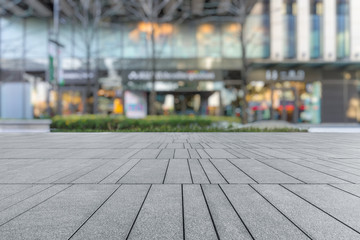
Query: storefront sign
{"points": [[171, 75], [286, 75], [135, 104], [78, 76]]}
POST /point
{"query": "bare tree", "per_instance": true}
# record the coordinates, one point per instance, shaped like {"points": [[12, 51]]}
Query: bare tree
{"points": [[241, 9], [88, 15], [154, 12]]}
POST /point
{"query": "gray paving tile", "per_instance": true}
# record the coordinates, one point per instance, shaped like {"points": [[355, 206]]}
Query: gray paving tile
{"points": [[263, 220], [147, 153], [181, 153], [211, 172], [146, 171], [302, 173], [202, 153], [175, 145], [102, 172], [316, 223], [338, 204], [197, 172], [166, 153], [230, 172], [227, 222], [31, 201], [193, 153], [120, 172], [9, 190], [219, 153], [330, 170], [59, 216], [351, 188], [261, 172], [161, 214], [21, 196], [178, 171], [197, 220], [115, 218]]}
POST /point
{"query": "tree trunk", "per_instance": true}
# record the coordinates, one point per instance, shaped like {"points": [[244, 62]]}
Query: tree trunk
{"points": [[88, 90], [244, 75], [152, 98]]}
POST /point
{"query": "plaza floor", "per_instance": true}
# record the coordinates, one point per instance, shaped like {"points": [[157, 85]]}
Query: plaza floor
{"points": [[180, 186]]}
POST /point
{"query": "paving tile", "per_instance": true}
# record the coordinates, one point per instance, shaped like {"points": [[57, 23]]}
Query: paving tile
{"points": [[175, 145], [230, 172], [181, 153], [197, 219], [120, 172], [115, 218], [211, 172], [9, 190], [219, 153], [146, 171], [261, 172], [31, 201], [302, 173], [227, 222], [59, 216], [147, 153], [314, 222], [178, 171], [102, 172], [338, 204], [263, 220], [197, 172], [161, 215], [166, 153], [202, 153], [351, 188], [21, 196]]}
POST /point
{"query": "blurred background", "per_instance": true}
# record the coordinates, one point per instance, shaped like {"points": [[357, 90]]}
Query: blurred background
{"points": [[291, 60]]}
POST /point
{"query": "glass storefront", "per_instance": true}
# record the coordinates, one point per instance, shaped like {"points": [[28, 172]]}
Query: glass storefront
{"points": [[289, 101]]}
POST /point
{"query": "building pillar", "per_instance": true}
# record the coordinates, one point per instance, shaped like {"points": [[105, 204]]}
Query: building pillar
{"points": [[329, 26], [303, 30], [354, 30], [276, 30]]}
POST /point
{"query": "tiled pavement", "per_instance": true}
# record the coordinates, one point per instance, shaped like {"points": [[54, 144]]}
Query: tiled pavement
{"points": [[180, 186]]}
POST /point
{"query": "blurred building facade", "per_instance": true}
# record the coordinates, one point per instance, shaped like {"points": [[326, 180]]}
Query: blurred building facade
{"points": [[304, 58]]}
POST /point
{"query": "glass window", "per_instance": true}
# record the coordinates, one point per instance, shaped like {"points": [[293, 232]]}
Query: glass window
{"points": [[36, 38], [110, 41], [137, 40], [11, 37], [184, 41], [230, 39], [257, 31], [208, 40], [342, 37], [290, 28], [316, 28]]}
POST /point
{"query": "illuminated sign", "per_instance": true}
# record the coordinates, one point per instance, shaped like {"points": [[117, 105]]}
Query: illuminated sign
{"points": [[286, 75], [135, 104], [171, 75]]}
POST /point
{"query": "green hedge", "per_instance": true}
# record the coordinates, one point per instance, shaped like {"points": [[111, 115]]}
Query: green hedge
{"points": [[101, 123], [108, 123]]}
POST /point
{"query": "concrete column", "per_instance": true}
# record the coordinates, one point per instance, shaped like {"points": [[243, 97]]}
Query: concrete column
{"points": [[354, 30], [276, 30], [329, 43], [303, 30]]}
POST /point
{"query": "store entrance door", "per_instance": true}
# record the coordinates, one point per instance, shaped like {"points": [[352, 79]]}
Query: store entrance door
{"points": [[284, 102]]}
